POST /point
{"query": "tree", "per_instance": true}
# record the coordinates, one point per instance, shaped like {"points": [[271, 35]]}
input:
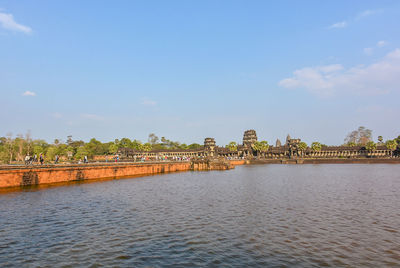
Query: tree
{"points": [[264, 146], [256, 146], [153, 139], [232, 146], [370, 146], [51, 152], [397, 139], [316, 146], [81, 152], [380, 139], [136, 145], [20, 143], [147, 147], [125, 143], [351, 144], [9, 142], [302, 146], [28, 138], [195, 146], [69, 139], [94, 147], [113, 148], [360, 136], [260, 147], [391, 145]]}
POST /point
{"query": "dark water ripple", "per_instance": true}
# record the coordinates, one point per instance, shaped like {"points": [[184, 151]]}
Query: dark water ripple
{"points": [[257, 216]]}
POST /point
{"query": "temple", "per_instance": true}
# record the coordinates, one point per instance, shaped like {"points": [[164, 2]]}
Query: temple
{"points": [[290, 150]]}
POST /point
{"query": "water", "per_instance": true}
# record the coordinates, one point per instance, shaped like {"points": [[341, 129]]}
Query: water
{"points": [[257, 216]]}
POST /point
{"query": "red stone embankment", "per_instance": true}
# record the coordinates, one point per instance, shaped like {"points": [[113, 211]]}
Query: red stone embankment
{"points": [[20, 176], [238, 162], [37, 175]]}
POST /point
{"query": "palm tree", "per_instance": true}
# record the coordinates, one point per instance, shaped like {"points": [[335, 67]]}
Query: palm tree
{"points": [[256, 147], [264, 146], [260, 147], [370, 146], [391, 145], [232, 146], [351, 144], [302, 147], [316, 146]]}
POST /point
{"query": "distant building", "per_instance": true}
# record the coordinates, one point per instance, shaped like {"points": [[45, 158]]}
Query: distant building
{"points": [[278, 143], [289, 150]]}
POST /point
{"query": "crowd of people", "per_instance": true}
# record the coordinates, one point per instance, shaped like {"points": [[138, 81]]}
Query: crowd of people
{"points": [[35, 160]]}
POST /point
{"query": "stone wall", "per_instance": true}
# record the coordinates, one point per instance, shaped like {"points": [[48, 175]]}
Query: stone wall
{"points": [[16, 177], [38, 175]]}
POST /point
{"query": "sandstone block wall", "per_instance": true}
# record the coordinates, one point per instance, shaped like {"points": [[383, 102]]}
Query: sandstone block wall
{"points": [[56, 174]]}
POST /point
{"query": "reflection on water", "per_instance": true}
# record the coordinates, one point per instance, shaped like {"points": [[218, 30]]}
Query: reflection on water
{"points": [[268, 215]]}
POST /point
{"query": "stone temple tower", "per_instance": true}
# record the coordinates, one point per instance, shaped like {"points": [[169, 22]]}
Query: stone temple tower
{"points": [[209, 146], [249, 137]]}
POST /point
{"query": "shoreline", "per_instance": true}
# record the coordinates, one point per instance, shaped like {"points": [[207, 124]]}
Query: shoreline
{"points": [[15, 178], [20, 177], [328, 161]]}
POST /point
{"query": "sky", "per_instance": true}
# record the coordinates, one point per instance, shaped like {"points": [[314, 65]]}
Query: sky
{"points": [[187, 70]]}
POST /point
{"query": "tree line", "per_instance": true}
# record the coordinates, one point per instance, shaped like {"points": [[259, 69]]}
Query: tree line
{"points": [[16, 148]]}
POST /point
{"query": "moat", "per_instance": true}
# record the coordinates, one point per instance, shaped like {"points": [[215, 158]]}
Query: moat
{"points": [[254, 215]]}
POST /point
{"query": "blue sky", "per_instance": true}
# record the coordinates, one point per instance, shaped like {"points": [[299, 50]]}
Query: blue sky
{"points": [[188, 70]]}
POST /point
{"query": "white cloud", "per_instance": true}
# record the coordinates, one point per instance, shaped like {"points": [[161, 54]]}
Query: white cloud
{"points": [[381, 43], [148, 102], [368, 51], [7, 22], [367, 13], [331, 68], [29, 93], [380, 77], [341, 24]]}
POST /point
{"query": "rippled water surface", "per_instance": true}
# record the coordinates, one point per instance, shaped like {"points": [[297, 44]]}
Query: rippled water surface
{"points": [[265, 216]]}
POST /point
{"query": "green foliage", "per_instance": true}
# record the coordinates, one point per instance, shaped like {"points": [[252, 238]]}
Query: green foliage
{"points": [[397, 139], [232, 146], [113, 148], [125, 143], [195, 146], [183, 146], [391, 144], [80, 153], [52, 151], [136, 145], [147, 147], [370, 146], [351, 144], [316, 146], [302, 146], [12, 149], [260, 146], [3, 152], [264, 146]]}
